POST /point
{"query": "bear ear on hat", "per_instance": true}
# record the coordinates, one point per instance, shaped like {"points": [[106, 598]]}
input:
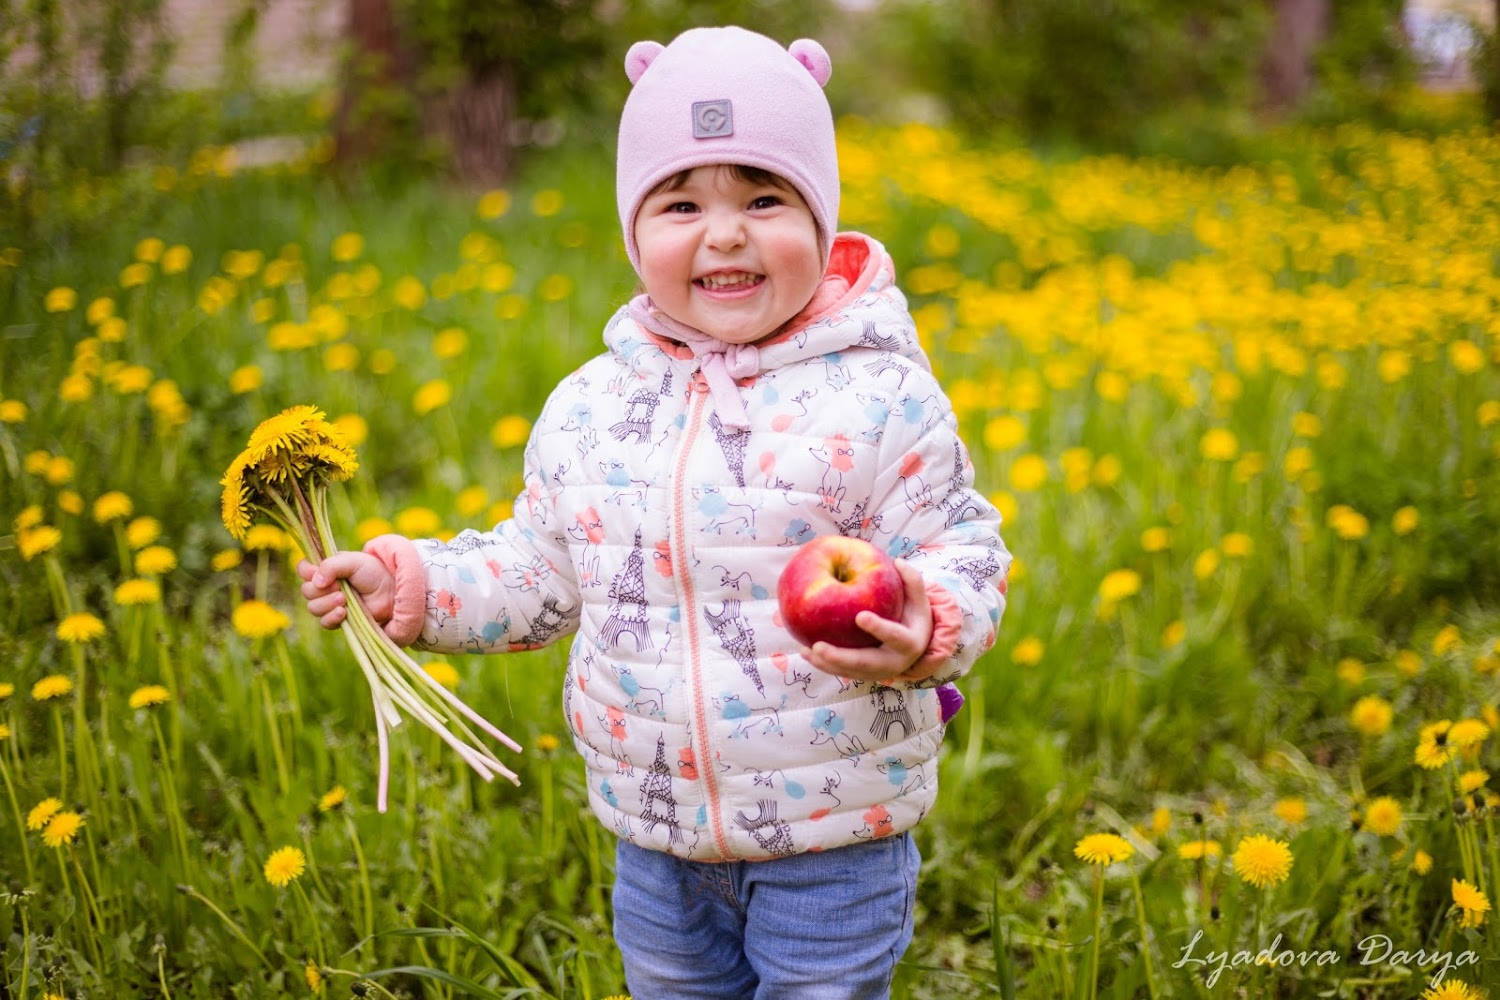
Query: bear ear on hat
{"points": [[812, 55], [640, 56]]}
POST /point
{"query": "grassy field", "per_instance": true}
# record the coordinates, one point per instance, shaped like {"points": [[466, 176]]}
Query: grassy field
{"points": [[1243, 425]]}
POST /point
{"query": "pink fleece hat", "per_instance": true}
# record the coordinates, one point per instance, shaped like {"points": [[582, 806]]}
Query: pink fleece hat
{"points": [[727, 95]]}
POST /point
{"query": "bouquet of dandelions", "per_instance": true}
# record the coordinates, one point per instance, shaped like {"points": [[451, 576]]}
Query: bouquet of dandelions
{"points": [[284, 473]]}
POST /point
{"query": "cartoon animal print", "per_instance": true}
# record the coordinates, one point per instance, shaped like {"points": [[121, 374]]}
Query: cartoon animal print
{"points": [[616, 474], [837, 458], [722, 514], [828, 727], [737, 637], [580, 422], [660, 807], [613, 721], [779, 841], [590, 531], [638, 693], [550, 622], [628, 609], [487, 637], [878, 823], [836, 373], [897, 773], [782, 421], [797, 532], [526, 577], [890, 710], [732, 444], [464, 542]]}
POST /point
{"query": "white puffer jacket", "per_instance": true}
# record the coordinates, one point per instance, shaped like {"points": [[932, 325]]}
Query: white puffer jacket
{"points": [[657, 535]]}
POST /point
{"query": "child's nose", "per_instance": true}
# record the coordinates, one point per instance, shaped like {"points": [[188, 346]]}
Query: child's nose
{"points": [[725, 231]]}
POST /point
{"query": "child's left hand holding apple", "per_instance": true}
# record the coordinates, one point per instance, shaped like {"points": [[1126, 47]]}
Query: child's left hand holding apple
{"points": [[903, 642]]}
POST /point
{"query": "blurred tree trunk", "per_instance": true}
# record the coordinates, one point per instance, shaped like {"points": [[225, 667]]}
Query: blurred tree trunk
{"points": [[471, 119], [474, 120], [379, 69], [1297, 28]]}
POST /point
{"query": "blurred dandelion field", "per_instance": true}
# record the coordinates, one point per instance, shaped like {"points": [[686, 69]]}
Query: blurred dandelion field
{"points": [[1236, 740]]}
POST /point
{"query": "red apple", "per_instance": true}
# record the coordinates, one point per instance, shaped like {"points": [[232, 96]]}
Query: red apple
{"points": [[829, 581]]}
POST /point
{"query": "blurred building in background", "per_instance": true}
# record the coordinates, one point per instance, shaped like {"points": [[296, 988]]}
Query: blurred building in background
{"points": [[1441, 35]]}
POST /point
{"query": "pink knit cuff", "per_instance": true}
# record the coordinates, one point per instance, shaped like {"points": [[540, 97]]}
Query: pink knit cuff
{"points": [[947, 626], [409, 609]]}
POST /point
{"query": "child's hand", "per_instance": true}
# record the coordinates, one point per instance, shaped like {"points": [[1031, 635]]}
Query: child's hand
{"points": [[903, 642], [366, 574]]}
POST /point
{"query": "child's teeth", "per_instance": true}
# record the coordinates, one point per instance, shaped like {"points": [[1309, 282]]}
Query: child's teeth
{"points": [[726, 281]]}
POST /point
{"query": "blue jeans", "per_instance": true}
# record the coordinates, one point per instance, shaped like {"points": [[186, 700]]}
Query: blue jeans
{"points": [[826, 925]]}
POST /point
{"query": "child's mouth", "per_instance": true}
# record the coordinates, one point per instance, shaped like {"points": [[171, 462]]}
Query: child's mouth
{"points": [[729, 281]]}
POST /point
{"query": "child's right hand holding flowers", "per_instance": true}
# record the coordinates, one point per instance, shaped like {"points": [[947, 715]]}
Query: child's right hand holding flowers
{"points": [[371, 580]]}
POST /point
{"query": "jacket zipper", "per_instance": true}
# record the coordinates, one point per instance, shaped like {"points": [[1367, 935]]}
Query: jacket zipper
{"points": [[707, 768]]}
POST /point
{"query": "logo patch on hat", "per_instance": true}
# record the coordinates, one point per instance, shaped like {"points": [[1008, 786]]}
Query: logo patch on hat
{"points": [[713, 119]]}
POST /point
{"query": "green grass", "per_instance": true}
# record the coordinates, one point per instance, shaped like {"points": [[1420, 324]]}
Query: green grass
{"points": [[1185, 710]]}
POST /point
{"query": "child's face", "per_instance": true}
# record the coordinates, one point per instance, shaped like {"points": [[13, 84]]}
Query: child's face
{"points": [[732, 257]]}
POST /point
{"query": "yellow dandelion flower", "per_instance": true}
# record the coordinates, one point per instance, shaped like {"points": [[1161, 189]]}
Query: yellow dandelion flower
{"points": [[1371, 715], [1161, 821], [314, 976], [1119, 584], [1028, 652], [1471, 902], [510, 431], [142, 532], [1348, 523], [1028, 473], [4, 732], [42, 813], [176, 259], [138, 591], [226, 559], [1466, 733], [1405, 520], [1471, 781], [1263, 861], [258, 620], [155, 560], [6, 690], [51, 686], [333, 799], [1236, 545], [442, 672], [1421, 862], [1291, 810], [1219, 445], [12, 411], [494, 203], [1447, 639], [1173, 633], [1408, 662], [285, 866], [431, 396], [1103, 849], [36, 541], [373, 527], [547, 743], [246, 378], [418, 522], [80, 627], [1207, 564], [1350, 670], [60, 300], [267, 537], [1383, 816], [112, 506], [149, 696], [1451, 989], [62, 829], [1194, 850]]}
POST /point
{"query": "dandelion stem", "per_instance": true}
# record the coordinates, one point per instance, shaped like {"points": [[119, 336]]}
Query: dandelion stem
{"points": [[1140, 917], [234, 927], [62, 754], [1098, 931], [169, 795], [312, 917], [15, 808], [364, 875]]}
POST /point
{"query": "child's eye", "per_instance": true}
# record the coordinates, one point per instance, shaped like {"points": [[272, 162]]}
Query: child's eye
{"points": [[766, 201], [681, 208]]}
